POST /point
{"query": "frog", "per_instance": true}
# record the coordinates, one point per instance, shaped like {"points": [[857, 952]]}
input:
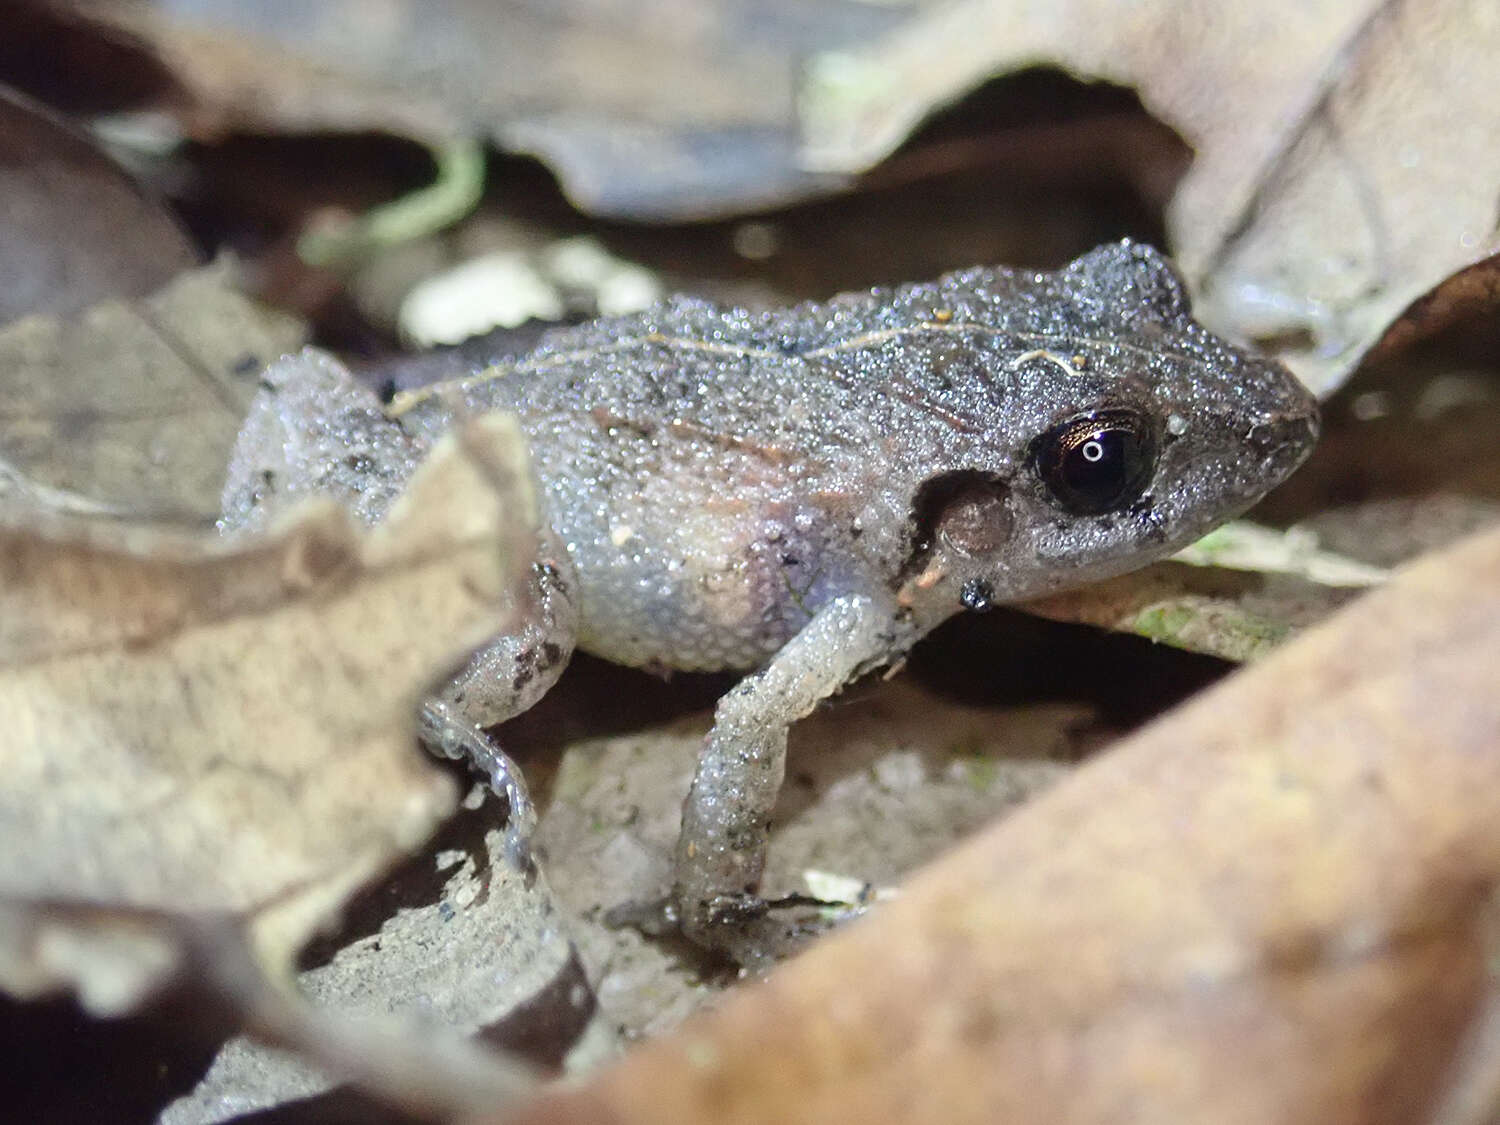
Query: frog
{"points": [[800, 495]]}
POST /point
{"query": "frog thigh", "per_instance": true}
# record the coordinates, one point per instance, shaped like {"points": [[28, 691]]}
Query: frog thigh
{"points": [[313, 429]]}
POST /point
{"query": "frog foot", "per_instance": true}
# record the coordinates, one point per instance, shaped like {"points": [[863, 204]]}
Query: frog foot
{"points": [[702, 923], [743, 929]]}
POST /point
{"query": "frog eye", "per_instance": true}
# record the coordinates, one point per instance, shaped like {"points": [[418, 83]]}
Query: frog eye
{"points": [[1098, 463]]}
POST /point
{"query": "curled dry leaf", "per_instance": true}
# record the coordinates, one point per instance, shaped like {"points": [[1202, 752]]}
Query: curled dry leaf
{"points": [[198, 730], [487, 958], [688, 111], [1344, 159], [132, 407], [74, 227], [1267, 907]]}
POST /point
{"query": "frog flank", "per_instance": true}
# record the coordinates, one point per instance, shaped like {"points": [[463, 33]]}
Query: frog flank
{"points": [[802, 494]]}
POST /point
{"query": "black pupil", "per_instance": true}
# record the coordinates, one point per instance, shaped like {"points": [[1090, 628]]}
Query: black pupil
{"points": [[1099, 463]]}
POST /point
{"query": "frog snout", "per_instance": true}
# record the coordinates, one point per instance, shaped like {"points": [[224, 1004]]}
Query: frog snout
{"points": [[1282, 441]]}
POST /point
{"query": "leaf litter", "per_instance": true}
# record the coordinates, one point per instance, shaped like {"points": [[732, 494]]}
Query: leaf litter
{"points": [[1310, 218], [131, 406], [219, 738], [1306, 220], [75, 228]]}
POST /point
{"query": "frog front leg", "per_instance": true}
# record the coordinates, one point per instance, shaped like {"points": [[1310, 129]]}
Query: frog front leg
{"points": [[721, 851]]}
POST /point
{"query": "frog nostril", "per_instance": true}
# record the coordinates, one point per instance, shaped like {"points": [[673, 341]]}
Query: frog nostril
{"points": [[1284, 440], [1314, 422]]}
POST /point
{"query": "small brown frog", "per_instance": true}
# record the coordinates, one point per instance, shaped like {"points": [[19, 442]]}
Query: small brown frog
{"points": [[804, 493]]}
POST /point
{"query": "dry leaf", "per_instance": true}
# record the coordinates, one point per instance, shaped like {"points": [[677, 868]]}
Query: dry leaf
{"points": [[1236, 594], [1344, 168], [74, 227], [132, 407], [1267, 907], [201, 730], [1340, 193], [688, 111], [487, 959], [1234, 615], [1242, 545]]}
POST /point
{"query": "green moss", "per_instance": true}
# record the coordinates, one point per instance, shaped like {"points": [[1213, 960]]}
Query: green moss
{"points": [[981, 773], [979, 769], [1220, 631], [1164, 623]]}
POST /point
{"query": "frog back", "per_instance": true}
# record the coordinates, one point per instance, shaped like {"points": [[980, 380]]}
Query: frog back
{"points": [[713, 490]]}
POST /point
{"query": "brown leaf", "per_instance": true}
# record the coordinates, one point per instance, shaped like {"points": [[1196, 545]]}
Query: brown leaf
{"points": [[688, 111], [1469, 292], [1235, 594], [74, 227], [1344, 165], [132, 407], [1229, 614], [1266, 907], [486, 959], [196, 730]]}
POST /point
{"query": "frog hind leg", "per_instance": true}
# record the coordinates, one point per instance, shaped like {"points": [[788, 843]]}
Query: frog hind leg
{"points": [[314, 429], [501, 680]]}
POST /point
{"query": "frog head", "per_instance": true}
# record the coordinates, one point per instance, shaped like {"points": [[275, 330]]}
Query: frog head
{"points": [[1103, 428]]}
